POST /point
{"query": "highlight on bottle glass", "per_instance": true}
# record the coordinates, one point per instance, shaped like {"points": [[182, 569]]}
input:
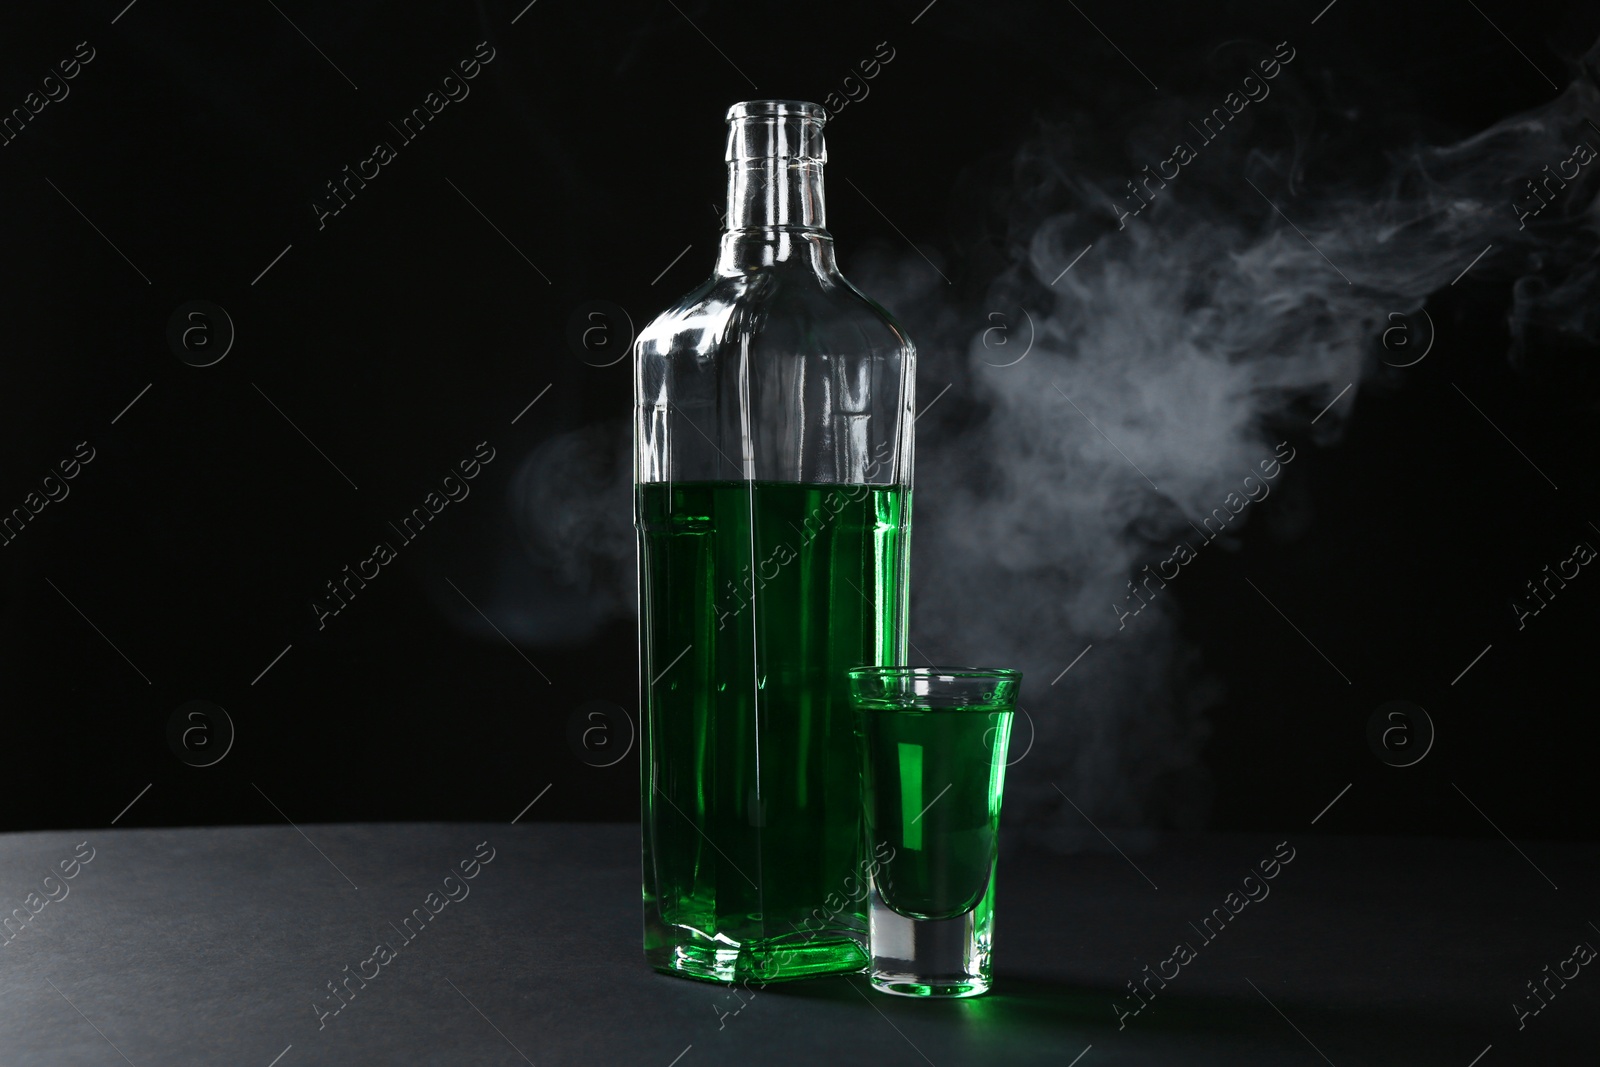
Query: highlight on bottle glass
{"points": [[932, 743]]}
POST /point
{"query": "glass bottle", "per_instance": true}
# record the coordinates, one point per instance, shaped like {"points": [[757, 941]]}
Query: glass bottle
{"points": [[772, 470]]}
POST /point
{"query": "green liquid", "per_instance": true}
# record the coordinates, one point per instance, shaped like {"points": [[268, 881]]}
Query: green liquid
{"points": [[755, 599], [933, 781]]}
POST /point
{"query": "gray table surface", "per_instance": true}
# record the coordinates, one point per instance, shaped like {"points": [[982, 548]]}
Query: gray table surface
{"points": [[214, 946]]}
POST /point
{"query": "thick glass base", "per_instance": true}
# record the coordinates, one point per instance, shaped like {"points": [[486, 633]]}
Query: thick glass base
{"points": [[908, 986], [760, 961], [930, 957]]}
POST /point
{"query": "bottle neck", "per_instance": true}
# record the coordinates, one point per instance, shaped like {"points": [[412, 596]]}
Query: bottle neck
{"points": [[776, 214], [776, 209], [775, 192]]}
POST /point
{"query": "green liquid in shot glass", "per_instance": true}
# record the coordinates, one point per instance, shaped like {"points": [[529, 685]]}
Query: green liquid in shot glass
{"points": [[932, 781]]}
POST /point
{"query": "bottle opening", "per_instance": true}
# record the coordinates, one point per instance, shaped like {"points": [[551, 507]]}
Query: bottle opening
{"points": [[776, 129], [750, 109]]}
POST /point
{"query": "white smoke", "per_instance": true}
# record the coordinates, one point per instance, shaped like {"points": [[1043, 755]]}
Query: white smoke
{"points": [[1190, 343]]}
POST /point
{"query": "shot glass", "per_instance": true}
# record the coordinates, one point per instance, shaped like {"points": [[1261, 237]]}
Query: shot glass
{"points": [[932, 742]]}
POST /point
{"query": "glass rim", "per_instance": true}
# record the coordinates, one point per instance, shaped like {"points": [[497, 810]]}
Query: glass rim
{"points": [[770, 108], [905, 688], [936, 672]]}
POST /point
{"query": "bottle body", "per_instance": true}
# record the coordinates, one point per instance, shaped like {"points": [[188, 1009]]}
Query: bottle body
{"points": [[773, 455]]}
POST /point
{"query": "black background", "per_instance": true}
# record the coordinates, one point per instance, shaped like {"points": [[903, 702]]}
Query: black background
{"points": [[408, 330]]}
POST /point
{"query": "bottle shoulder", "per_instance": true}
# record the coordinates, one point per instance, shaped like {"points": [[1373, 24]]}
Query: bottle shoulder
{"points": [[798, 311]]}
